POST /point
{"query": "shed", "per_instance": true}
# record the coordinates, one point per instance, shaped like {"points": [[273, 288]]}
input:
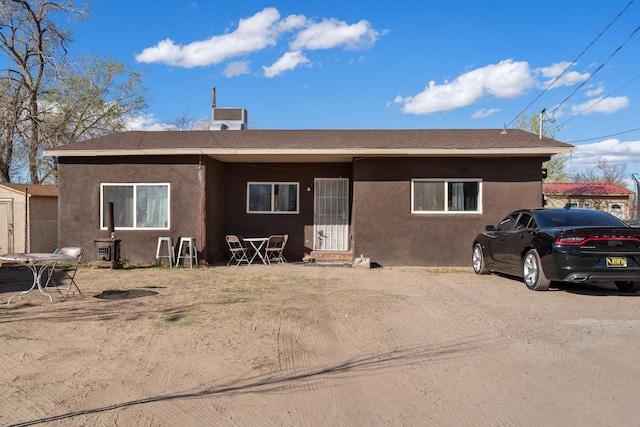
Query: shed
{"points": [[28, 218]]}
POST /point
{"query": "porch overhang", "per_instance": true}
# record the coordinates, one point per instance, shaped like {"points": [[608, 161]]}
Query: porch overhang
{"points": [[298, 155]]}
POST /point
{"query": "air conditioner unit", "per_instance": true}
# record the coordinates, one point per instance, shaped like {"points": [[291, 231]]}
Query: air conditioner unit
{"points": [[231, 118]]}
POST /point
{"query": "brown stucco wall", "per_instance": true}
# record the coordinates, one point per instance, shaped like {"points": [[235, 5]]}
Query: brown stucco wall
{"points": [[215, 246], [79, 201], [388, 233], [382, 226], [298, 227]]}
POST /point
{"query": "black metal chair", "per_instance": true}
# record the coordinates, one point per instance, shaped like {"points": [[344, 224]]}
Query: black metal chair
{"points": [[66, 273]]}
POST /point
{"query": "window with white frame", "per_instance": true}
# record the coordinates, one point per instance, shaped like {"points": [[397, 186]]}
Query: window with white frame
{"points": [[273, 197], [135, 206], [446, 195]]}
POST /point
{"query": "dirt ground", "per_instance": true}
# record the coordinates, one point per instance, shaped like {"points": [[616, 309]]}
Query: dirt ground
{"points": [[299, 345]]}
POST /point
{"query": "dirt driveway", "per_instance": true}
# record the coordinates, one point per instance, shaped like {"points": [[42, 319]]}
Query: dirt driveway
{"points": [[317, 346]]}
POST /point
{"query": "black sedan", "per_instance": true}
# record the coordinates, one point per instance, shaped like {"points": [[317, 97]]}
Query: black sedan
{"points": [[564, 245]]}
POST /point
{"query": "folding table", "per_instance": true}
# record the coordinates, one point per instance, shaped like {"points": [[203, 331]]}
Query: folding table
{"points": [[38, 263], [257, 243]]}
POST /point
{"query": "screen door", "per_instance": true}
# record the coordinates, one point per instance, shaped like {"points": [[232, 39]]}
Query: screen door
{"points": [[331, 214]]}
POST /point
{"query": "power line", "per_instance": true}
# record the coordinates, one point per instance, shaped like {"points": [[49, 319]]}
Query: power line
{"points": [[599, 101], [572, 63], [606, 136], [597, 69]]}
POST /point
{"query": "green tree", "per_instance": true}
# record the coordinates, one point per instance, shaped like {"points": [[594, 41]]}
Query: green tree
{"points": [[555, 166], [95, 97]]}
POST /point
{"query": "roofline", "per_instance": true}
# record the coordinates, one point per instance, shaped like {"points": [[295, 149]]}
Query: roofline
{"points": [[15, 190], [234, 154], [26, 190], [601, 195]]}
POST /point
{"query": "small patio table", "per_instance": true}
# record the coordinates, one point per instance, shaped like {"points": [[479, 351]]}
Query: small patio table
{"points": [[38, 263], [257, 243]]}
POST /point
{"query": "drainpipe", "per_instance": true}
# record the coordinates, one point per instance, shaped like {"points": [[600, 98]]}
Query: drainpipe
{"points": [[26, 220]]}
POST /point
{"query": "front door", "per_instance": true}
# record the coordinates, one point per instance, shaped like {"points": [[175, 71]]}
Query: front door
{"points": [[331, 214], [6, 226]]}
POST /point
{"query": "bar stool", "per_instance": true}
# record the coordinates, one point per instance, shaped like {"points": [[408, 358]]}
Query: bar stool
{"points": [[168, 242], [187, 244]]}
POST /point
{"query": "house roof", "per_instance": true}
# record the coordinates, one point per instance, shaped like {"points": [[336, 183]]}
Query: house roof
{"points": [[317, 145], [585, 189], [33, 189]]}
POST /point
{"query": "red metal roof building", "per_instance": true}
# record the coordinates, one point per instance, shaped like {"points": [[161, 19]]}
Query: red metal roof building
{"points": [[612, 198]]}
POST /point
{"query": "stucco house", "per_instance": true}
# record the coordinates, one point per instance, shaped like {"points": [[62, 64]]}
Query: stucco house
{"points": [[397, 197], [28, 218], [611, 198]]}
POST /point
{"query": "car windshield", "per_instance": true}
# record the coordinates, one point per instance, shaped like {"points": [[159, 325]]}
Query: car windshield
{"points": [[576, 218]]}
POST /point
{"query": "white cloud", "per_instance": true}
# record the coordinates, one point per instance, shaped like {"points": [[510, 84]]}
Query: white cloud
{"points": [[595, 92], [553, 71], [483, 112], [259, 32], [147, 122], [253, 34], [236, 69], [606, 105], [287, 62], [611, 150], [292, 22], [507, 80], [331, 33]]}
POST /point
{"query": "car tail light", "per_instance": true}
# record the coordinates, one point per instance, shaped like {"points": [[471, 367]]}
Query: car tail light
{"points": [[581, 240], [570, 240]]}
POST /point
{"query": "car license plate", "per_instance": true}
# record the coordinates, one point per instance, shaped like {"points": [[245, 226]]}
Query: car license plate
{"points": [[616, 261]]}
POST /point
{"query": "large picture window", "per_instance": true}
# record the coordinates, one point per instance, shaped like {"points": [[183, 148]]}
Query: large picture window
{"points": [[444, 196], [135, 206], [272, 197]]}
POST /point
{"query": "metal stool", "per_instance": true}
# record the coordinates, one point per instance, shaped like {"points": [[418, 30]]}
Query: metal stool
{"points": [[170, 251], [192, 253]]}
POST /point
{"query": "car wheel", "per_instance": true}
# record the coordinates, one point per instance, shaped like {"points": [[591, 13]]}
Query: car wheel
{"points": [[532, 272], [478, 260], [628, 286]]}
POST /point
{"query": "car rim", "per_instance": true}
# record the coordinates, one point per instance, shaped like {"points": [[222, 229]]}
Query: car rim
{"points": [[530, 269], [477, 257]]}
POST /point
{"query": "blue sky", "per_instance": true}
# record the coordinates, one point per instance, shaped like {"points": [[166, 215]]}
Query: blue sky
{"points": [[387, 64]]}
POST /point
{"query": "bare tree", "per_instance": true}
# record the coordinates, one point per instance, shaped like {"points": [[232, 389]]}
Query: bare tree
{"points": [[46, 98], [603, 172], [186, 122], [37, 49]]}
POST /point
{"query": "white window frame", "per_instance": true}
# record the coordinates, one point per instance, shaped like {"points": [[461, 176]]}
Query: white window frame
{"points": [[273, 184], [445, 186], [135, 194]]}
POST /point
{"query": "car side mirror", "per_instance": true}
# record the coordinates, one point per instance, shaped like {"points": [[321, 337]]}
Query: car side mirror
{"points": [[490, 228]]}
